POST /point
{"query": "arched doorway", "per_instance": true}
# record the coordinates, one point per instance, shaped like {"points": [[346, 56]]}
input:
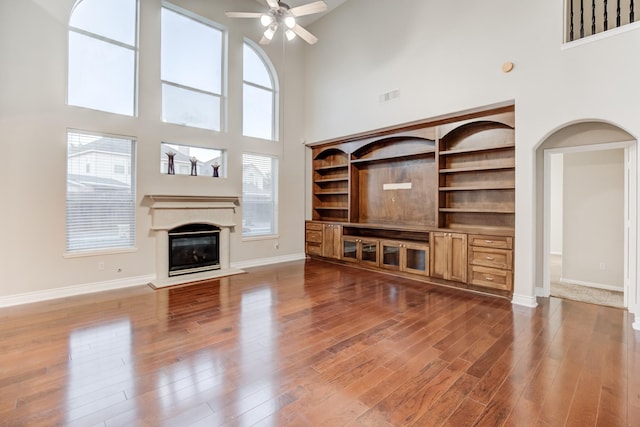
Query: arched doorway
{"points": [[600, 247]]}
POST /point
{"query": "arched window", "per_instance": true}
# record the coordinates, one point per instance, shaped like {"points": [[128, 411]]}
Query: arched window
{"points": [[103, 40], [259, 94]]}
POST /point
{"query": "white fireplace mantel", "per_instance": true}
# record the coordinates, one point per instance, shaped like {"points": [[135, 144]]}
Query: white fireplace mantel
{"points": [[171, 211]]}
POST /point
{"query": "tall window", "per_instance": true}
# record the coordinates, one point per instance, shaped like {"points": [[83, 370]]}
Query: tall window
{"points": [[258, 95], [101, 197], [103, 55], [191, 70], [259, 195]]}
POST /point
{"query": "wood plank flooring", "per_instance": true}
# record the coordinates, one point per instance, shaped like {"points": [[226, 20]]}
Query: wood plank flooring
{"points": [[315, 344]]}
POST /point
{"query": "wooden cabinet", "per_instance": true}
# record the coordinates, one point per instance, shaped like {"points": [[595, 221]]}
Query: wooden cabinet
{"points": [[405, 256], [323, 239], [332, 234], [449, 256], [314, 237], [432, 199], [491, 261], [360, 250]]}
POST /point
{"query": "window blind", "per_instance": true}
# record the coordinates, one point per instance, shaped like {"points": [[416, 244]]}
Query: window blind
{"points": [[259, 195], [100, 192]]}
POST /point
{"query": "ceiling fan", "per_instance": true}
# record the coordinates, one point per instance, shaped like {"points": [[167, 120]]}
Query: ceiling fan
{"points": [[280, 14]]}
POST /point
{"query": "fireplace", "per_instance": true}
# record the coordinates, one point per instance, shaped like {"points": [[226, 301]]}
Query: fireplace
{"points": [[194, 248], [196, 216]]}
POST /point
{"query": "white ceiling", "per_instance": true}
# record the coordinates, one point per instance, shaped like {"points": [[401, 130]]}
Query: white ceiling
{"points": [[306, 20]]}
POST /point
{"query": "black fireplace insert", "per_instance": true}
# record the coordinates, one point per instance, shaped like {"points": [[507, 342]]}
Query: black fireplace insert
{"points": [[194, 248]]}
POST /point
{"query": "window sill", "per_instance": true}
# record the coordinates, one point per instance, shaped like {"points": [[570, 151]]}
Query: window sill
{"points": [[98, 252]]}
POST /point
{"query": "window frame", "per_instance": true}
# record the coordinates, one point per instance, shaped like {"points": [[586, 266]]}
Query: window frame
{"points": [[135, 49], [275, 199], [275, 90], [222, 96], [76, 253]]}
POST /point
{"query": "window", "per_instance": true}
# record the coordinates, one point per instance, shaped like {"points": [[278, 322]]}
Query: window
{"points": [[258, 95], [101, 199], [206, 158], [191, 70], [102, 55], [259, 195]]}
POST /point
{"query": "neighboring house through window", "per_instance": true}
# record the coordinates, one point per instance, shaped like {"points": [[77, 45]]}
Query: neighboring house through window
{"points": [[101, 198], [259, 100], [102, 55], [259, 195], [191, 69]]}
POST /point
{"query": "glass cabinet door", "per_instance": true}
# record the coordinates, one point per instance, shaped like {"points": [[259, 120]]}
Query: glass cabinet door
{"points": [[390, 253], [349, 250], [369, 252], [417, 259]]}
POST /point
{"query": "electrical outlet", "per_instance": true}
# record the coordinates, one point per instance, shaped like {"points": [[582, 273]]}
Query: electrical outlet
{"points": [[276, 245], [603, 266], [101, 266]]}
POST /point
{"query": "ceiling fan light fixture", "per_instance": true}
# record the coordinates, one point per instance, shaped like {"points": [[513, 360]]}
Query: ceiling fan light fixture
{"points": [[269, 32], [290, 35], [290, 21], [266, 20]]}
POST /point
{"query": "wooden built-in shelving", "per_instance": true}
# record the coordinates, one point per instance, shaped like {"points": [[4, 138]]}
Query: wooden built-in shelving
{"points": [[407, 198]]}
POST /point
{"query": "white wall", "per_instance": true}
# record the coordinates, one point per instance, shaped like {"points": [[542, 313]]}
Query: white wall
{"points": [[445, 57], [556, 200], [33, 124], [593, 250]]}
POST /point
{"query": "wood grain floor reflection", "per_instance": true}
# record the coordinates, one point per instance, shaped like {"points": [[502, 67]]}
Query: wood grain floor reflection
{"points": [[310, 344]]}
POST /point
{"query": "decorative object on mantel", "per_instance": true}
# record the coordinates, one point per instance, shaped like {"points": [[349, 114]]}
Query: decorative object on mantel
{"points": [[215, 167], [194, 166], [170, 167]]}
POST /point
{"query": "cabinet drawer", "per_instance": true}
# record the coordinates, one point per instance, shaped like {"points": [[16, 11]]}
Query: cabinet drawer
{"points": [[314, 249], [489, 257], [313, 226], [500, 242], [313, 236], [491, 277]]}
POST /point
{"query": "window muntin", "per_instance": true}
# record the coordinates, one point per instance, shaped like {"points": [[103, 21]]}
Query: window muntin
{"points": [[259, 195], [103, 55], [191, 70], [101, 196], [259, 95], [206, 159]]}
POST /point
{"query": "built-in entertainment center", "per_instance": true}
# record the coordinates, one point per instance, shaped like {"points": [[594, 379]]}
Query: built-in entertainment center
{"points": [[433, 200]]}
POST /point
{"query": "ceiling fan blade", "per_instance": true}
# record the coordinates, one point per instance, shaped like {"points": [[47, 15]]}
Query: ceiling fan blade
{"points": [[265, 41], [305, 35], [273, 3], [243, 14], [308, 9]]}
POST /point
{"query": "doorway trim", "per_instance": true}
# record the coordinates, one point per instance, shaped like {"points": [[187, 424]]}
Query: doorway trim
{"points": [[630, 209]]}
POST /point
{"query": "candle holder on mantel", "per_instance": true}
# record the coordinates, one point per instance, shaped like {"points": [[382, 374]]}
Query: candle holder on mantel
{"points": [[194, 166], [170, 166], [215, 167]]}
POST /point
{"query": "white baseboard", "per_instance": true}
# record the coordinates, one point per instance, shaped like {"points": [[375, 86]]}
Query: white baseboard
{"points": [[541, 293], [524, 300], [591, 285], [70, 291], [267, 261]]}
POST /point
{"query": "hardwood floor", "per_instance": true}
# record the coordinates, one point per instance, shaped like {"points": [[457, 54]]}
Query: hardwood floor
{"points": [[312, 343]]}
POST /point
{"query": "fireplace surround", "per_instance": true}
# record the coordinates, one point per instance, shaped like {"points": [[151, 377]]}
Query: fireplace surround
{"points": [[169, 212]]}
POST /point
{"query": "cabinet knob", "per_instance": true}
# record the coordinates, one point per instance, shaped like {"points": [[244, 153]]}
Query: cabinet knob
{"points": [[490, 258], [490, 279], [488, 241]]}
